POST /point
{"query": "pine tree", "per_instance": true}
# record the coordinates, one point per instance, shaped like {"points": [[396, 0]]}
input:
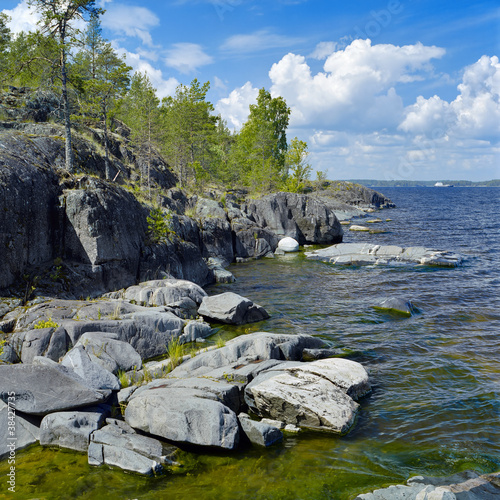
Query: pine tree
{"points": [[57, 19]]}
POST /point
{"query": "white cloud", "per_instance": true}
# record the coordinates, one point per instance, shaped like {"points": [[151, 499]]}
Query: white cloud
{"points": [[187, 57], [475, 113], [131, 21], [164, 87], [256, 42], [356, 90], [235, 108], [323, 50], [23, 18]]}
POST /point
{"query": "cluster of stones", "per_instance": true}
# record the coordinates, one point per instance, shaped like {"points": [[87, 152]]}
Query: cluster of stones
{"points": [[66, 378]]}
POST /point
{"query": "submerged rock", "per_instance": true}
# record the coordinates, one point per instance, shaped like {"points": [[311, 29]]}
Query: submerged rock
{"points": [[397, 305], [365, 253]]}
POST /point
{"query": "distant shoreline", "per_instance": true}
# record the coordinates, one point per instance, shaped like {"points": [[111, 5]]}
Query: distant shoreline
{"points": [[371, 183]]}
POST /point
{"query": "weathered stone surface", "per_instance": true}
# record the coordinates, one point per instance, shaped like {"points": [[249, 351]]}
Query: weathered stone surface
{"points": [[252, 241], [306, 219], [72, 429], [253, 352], [35, 343], [231, 308], [357, 227], [216, 238], [184, 416], [94, 375], [112, 354], [162, 292], [195, 330], [301, 399], [44, 389], [25, 432], [365, 253], [117, 444], [259, 433], [352, 194], [288, 245]]}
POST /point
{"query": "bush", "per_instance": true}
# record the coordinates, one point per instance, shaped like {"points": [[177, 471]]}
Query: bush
{"points": [[159, 223]]}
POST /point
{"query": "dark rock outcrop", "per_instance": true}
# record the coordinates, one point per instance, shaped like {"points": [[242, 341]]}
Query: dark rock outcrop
{"points": [[301, 217]]}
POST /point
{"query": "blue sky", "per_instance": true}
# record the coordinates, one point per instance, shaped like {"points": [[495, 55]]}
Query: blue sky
{"points": [[394, 89]]}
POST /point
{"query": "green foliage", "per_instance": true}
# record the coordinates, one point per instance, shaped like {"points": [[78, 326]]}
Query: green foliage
{"points": [[298, 170], [220, 342], [159, 225], [49, 323], [175, 352], [2, 343]]}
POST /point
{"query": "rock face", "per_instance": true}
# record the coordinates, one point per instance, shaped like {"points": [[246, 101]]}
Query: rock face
{"points": [[301, 217], [463, 486], [354, 195], [231, 308], [365, 253]]}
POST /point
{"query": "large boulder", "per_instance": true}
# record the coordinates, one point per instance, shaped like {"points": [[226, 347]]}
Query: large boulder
{"points": [[318, 395], [306, 219], [184, 416], [45, 389], [72, 429], [231, 308]]}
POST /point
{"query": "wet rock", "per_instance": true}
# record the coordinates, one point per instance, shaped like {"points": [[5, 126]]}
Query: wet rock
{"points": [[117, 444], [259, 433], [72, 429], [356, 227], [232, 309], [365, 253], [397, 305]]}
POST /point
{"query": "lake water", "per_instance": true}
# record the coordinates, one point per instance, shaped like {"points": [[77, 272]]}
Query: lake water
{"points": [[435, 405]]}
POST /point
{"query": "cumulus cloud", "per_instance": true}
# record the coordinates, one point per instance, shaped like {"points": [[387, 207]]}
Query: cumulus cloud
{"points": [[257, 41], [131, 21], [164, 87], [235, 108], [187, 57], [475, 113], [356, 90], [23, 18]]}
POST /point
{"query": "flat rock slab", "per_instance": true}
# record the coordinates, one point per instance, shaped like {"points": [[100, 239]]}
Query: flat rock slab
{"points": [[365, 253], [184, 416], [231, 308], [44, 389]]}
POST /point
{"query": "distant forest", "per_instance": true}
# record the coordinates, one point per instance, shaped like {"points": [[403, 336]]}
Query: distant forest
{"points": [[406, 183]]}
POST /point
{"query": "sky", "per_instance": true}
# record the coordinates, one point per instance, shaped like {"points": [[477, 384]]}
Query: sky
{"points": [[390, 90]]}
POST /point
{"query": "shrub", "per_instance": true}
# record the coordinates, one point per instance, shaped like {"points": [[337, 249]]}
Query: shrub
{"points": [[159, 223], [48, 323]]}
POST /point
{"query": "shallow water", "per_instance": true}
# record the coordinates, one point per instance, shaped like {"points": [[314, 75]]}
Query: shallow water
{"points": [[435, 405]]}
